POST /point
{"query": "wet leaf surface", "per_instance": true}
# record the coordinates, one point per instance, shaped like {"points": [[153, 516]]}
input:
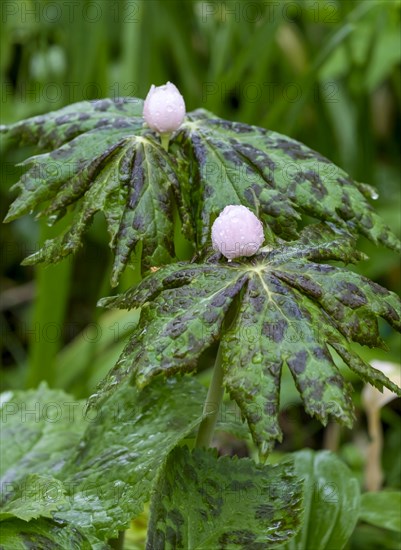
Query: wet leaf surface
{"points": [[102, 461], [103, 159], [292, 308], [202, 501]]}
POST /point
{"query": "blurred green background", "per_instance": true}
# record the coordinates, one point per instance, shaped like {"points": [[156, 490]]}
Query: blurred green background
{"points": [[323, 72]]}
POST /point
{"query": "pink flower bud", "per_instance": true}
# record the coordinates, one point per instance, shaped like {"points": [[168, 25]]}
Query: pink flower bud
{"points": [[237, 232], [164, 108]]}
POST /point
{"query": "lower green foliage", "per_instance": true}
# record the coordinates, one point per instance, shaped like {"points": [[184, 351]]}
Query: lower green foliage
{"points": [[331, 501], [382, 509], [44, 534], [103, 461], [201, 502]]}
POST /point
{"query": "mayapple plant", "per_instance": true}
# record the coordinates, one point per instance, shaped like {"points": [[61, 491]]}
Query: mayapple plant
{"points": [[272, 225]]}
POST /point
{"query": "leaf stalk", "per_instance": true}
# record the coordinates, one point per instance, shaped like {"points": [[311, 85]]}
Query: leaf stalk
{"points": [[212, 404]]}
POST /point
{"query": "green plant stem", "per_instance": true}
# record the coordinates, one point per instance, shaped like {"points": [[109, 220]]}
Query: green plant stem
{"points": [[165, 139], [118, 543], [212, 404]]}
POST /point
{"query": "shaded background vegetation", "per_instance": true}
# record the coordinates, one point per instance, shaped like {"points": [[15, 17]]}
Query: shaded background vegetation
{"points": [[323, 72]]}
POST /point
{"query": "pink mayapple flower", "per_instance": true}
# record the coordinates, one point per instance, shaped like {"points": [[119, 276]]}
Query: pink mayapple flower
{"points": [[164, 108], [237, 232]]}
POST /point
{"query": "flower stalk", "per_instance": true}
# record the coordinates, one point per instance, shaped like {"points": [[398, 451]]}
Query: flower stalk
{"points": [[165, 140]]}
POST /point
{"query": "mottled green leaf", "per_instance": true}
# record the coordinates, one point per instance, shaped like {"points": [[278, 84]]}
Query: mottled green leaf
{"points": [[39, 431], [290, 309], [104, 163], [179, 324], [43, 534], [102, 473], [58, 127], [202, 502], [331, 501], [131, 182], [234, 163], [105, 160], [63, 175], [382, 509], [31, 497], [111, 474]]}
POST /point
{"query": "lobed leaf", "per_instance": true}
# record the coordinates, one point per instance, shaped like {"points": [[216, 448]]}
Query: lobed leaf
{"points": [[105, 160], [290, 310], [58, 127], [279, 177], [128, 183]]}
